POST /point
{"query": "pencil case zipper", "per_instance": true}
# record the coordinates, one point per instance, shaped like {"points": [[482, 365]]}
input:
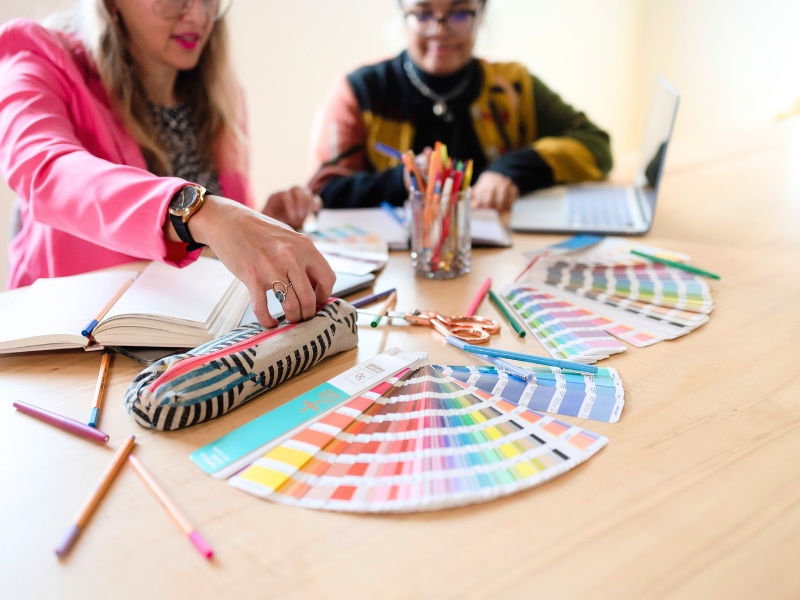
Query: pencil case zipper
{"points": [[187, 364]]}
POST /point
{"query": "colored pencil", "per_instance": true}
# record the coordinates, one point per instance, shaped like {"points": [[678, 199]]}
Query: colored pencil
{"points": [[99, 389], [183, 524], [94, 499], [506, 314], [367, 300], [388, 151], [392, 211], [513, 370], [62, 422], [530, 265], [676, 264], [537, 360], [384, 310], [476, 302], [87, 331]]}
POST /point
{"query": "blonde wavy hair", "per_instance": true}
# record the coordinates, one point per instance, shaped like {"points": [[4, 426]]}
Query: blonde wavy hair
{"points": [[209, 90]]}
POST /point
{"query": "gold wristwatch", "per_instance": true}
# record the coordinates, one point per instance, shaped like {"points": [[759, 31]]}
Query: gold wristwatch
{"points": [[186, 202]]}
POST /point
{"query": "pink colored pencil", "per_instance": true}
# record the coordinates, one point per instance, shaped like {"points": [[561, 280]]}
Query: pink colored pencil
{"points": [[62, 422], [473, 307]]}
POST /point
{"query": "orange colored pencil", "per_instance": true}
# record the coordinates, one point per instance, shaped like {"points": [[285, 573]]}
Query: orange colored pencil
{"points": [[99, 491], [181, 521], [99, 389], [87, 331]]}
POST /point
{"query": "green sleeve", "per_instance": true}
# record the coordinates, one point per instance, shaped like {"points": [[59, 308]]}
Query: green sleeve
{"points": [[556, 118]]}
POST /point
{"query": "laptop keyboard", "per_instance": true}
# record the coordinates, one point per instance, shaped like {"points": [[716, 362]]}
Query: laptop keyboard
{"points": [[600, 206]]}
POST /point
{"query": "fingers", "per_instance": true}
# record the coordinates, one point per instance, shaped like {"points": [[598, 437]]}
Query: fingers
{"points": [[293, 206], [258, 299], [493, 190]]}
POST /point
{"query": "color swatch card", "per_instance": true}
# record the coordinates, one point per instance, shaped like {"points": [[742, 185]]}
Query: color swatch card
{"points": [[639, 301], [566, 331], [238, 448], [351, 249], [598, 397], [420, 441]]}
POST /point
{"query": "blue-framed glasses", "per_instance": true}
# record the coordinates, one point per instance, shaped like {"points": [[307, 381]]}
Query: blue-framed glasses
{"points": [[458, 22]]}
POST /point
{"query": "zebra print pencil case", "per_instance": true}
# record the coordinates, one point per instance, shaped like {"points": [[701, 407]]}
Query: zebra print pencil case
{"points": [[204, 383]]}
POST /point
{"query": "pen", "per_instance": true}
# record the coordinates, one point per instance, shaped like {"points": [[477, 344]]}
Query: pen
{"points": [[194, 536], [676, 264], [392, 212], [367, 300], [98, 390], [538, 360], [522, 374], [479, 298], [387, 306], [504, 311], [97, 494], [388, 151], [61, 422], [87, 331]]}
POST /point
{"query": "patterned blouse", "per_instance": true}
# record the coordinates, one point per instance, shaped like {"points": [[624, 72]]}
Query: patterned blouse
{"points": [[178, 136]]}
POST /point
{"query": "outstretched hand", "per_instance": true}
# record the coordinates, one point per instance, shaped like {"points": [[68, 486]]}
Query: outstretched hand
{"points": [[260, 251], [292, 206], [493, 190]]}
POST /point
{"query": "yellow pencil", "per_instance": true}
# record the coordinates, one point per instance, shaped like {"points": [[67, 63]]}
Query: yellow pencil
{"points": [[97, 494]]}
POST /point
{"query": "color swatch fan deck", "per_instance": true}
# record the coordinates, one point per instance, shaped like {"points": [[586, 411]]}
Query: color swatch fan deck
{"points": [[418, 441], [583, 306]]}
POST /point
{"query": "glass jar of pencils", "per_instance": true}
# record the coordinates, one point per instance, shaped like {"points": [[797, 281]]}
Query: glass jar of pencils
{"points": [[441, 241]]}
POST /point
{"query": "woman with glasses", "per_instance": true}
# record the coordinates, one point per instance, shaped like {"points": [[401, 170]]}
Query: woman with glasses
{"points": [[122, 133], [520, 134]]}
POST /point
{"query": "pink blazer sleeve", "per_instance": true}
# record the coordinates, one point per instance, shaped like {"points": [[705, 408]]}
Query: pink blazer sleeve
{"points": [[64, 153]]}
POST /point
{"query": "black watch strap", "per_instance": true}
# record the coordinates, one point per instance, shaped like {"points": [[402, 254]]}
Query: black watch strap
{"points": [[182, 229]]}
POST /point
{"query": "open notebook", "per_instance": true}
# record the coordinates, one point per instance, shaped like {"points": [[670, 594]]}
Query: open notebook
{"points": [[163, 307]]}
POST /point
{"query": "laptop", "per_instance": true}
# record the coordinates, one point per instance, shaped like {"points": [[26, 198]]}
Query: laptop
{"points": [[346, 283], [603, 208]]}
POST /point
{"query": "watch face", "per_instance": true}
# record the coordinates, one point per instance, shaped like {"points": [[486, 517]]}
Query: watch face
{"points": [[184, 199]]}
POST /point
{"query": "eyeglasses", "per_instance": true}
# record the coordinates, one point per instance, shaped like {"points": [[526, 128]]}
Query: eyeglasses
{"points": [[426, 23], [175, 9]]}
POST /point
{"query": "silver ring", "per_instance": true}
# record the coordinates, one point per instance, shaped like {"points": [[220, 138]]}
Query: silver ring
{"points": [[280, 294]]}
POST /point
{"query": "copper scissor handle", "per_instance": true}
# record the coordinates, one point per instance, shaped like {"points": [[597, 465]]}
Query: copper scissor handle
{"points": [[474, 330]]}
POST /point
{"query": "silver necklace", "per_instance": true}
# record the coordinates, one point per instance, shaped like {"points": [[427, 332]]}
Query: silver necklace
{"points": [[440, 108]]}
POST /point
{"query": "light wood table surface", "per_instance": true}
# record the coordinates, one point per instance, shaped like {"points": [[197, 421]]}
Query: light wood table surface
{"points": [[697, 494]]}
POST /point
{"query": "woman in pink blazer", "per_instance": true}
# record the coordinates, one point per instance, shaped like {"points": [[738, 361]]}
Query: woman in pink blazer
{"points": [[124, 138]]}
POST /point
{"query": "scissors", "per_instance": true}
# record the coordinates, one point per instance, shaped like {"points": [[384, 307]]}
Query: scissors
{"points": [[474, 330]]}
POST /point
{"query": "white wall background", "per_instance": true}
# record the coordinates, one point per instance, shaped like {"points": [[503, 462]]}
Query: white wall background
{"points": [[733, 60]]}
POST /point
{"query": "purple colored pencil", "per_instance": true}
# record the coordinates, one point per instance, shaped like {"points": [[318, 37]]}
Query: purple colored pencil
{"points": [[367, 300], [62, 422]]}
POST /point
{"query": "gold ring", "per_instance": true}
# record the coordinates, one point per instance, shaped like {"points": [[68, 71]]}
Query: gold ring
{"points": [[280, 294]]}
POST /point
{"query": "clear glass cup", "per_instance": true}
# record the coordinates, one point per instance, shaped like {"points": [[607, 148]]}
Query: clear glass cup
{"points": [[441, 242]]}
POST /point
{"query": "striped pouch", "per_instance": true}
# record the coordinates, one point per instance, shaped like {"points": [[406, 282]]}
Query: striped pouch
{"points": [[204, 383]]}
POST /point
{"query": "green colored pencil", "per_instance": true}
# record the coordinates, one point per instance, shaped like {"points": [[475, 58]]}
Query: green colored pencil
{"points": [[507, 315], [677, 265]]}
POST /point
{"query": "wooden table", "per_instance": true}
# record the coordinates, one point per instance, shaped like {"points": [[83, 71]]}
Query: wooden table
{"points": [[697, 494]]}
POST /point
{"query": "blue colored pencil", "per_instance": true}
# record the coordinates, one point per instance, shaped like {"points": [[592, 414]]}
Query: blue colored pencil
{"points": [[538, 360]]}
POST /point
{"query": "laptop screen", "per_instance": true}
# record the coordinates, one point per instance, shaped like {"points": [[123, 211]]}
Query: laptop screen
{"points": [[661, 121]]}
